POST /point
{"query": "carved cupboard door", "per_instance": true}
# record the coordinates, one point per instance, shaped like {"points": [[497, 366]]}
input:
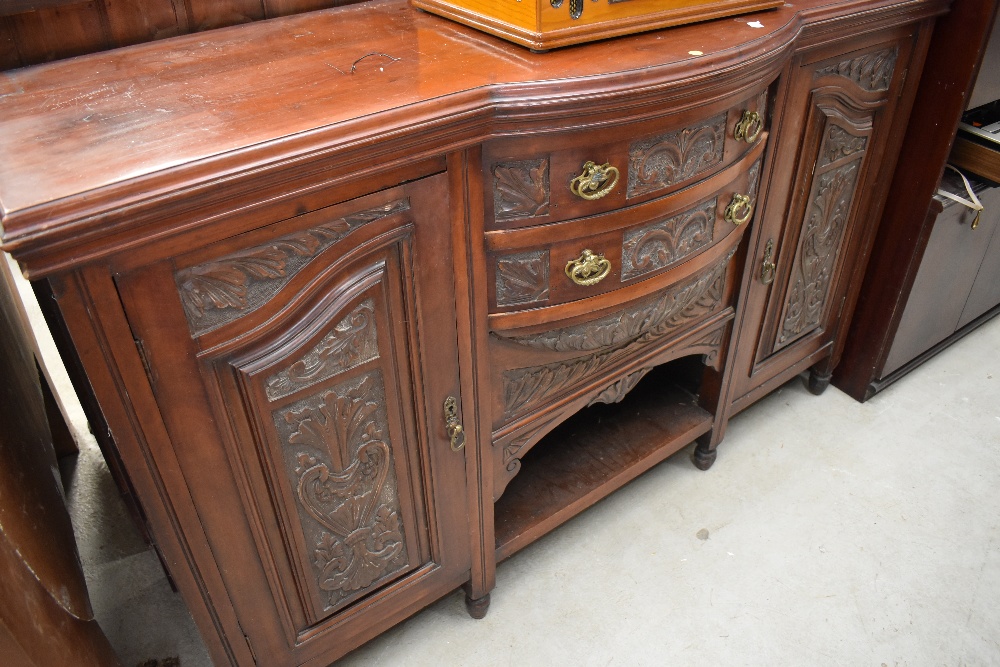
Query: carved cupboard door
{"points": [[302, 371], [818, 224]]}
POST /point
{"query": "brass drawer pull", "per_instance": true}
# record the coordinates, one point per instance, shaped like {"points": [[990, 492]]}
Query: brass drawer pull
{"points": [[749, 127], [593, 182], [452, 425], [589, 269], [767, 267], [740, 210]]}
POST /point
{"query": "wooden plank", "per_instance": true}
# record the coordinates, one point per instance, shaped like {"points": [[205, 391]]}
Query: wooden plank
{"points": [[134, 21], [285, 7], [12, 7], [9, 56], [208, 14], [59, 32]]}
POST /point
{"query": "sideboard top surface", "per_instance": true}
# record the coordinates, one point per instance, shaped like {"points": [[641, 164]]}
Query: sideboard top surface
{"points": [[89, 135]]}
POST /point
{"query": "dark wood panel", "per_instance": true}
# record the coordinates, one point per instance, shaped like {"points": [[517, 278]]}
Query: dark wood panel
{"points": [[11, 7], [285, 7], [36, 31], [134, 21], [60, 32], [218, 13]]}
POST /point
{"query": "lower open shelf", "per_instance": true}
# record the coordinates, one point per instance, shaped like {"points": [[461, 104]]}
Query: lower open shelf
{"points": [[591, 455]]}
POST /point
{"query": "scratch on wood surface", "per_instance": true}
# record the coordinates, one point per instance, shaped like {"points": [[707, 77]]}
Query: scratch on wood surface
{"points": [[369, 55]]}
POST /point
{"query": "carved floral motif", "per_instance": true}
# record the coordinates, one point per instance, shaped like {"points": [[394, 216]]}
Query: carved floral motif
{"points": [[521, 189], [830, 204], [522, 278], [668, 159], [226, 289], [659, 245], [352, 342], [872, 71], [342, 471]]}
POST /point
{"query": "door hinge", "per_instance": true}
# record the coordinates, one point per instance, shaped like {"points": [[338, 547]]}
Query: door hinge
{"points": [[843, 301], [902, 83]]}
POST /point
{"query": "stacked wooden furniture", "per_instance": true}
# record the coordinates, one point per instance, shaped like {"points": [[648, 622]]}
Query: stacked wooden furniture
{"points": [[933, 276], [344, 284]]}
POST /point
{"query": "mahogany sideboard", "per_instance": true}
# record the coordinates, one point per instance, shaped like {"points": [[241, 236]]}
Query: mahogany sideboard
{"points": [[368, 301]]}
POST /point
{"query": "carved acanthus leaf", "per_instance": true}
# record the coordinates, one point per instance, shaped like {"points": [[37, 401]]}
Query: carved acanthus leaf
{"points": [[521, 189], [524, 387], [660, 162], [659, 245], [619, 389], [352, 342], [226, 289], [646, 317], [872, 71], [522, 278]]}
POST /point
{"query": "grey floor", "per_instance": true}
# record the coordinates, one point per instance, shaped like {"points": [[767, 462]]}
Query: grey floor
{"points": [[828, 533]]}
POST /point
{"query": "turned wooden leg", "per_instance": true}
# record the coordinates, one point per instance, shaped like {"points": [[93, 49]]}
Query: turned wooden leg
{"points": [[704, 453], [477, 608], [818, 381]]}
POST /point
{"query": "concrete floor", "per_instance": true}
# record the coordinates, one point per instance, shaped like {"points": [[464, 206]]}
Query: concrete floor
{"points": [[828, 533]]}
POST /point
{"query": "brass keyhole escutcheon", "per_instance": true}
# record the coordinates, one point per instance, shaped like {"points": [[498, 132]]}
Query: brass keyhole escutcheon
{"points": [[740, 210], [749, 127], [594, 183], [589, 269], [767, 267], [452, 425]]}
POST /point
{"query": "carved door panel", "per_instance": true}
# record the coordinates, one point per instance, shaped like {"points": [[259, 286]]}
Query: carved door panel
{"points": [[816, 233], [317, 359]]}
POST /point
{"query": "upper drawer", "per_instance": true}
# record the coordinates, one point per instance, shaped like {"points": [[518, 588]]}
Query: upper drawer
{"points": [[553, 264], [558, 176]]}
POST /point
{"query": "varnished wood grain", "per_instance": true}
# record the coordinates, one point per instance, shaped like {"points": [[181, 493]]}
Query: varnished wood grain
{"points": [[156, 105], [204, 169]]}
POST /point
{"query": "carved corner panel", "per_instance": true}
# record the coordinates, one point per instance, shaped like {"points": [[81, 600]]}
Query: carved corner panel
{"points": [[352, 341], [871, 71], [221, 291], [654, 247], [824, 226], [522, 278], [521, 189], [666, 160]]}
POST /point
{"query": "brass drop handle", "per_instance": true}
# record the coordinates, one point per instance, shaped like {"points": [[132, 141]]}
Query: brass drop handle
{"points": [[589, 269], [593, 183], [740, 210], [452, 425], [767, 267], [749, 127]]}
